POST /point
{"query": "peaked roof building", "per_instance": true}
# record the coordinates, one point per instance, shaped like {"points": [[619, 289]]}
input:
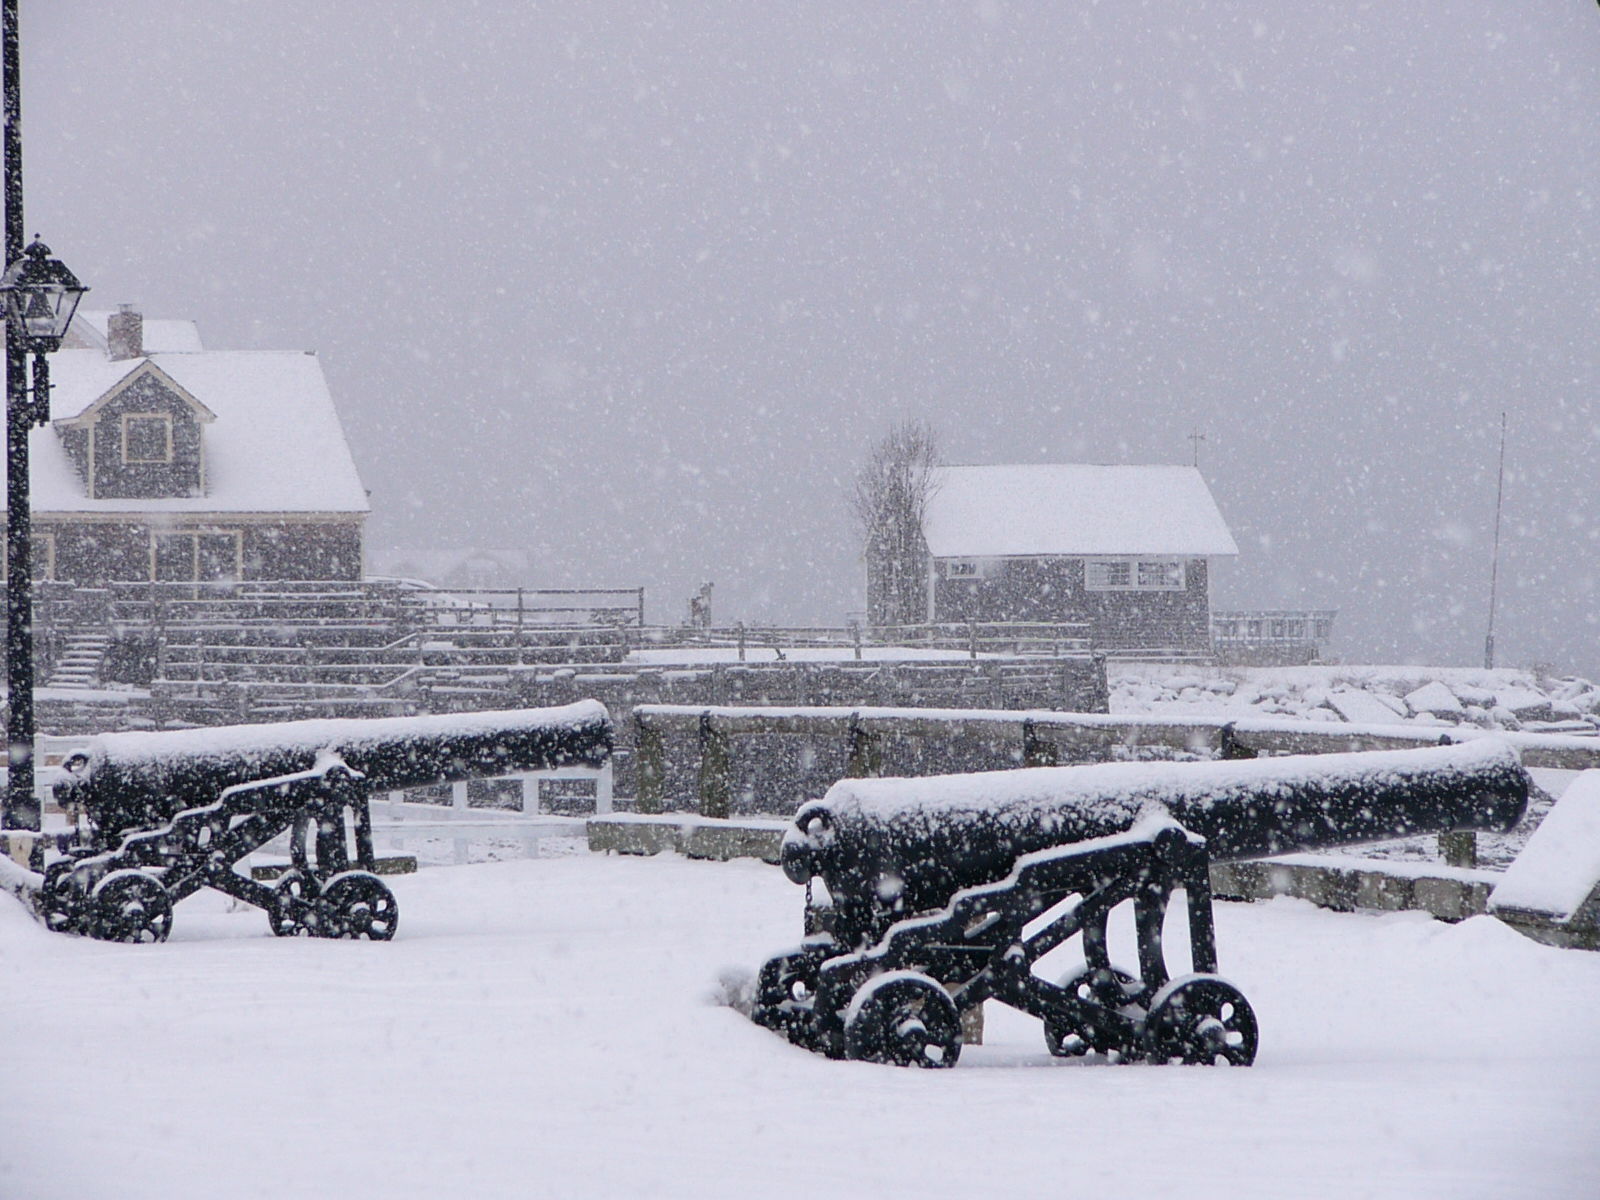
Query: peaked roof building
{"points": [[1122, 551], [166, 461]]}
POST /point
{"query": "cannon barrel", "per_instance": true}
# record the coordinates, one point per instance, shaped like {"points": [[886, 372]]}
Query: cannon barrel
{"points": [[130, 781], [890, 847]]}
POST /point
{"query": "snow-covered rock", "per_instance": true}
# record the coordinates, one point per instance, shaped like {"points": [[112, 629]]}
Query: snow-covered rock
{"points": [[1361, 708], [1525, 704], [1436, 699]]}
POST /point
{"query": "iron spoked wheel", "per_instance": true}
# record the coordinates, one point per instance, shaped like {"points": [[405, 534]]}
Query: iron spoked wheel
{"points": [[61, 902], [1201, 1019], [905, 1019], [785, 992], [1071, 1036], [294, 911], [357, 904], [130, 906]]}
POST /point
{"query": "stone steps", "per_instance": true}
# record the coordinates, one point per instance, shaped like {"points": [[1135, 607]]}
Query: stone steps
{"points": [[79, 665]]}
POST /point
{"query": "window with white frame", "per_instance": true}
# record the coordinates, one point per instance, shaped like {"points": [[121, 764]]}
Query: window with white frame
{"points": [[1133, 574], [204, 556], [146, 438]]}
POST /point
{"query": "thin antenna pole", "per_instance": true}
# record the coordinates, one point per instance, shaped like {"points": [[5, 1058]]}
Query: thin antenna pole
{"points": [[1197, 437], [1494, 562]]}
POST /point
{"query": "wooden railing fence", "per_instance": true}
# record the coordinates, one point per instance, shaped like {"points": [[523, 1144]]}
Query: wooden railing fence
{"points": [[1040, 739]]}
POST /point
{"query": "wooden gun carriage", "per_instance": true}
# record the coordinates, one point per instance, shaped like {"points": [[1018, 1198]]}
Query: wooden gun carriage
{"points": [[944, 892], [169, 813]]}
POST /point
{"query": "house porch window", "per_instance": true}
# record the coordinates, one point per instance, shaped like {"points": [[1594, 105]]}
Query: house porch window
{"points": [[205, 556]]}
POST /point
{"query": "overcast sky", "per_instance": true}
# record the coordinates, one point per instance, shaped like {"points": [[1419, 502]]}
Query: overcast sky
{"points": [[635, 285]]}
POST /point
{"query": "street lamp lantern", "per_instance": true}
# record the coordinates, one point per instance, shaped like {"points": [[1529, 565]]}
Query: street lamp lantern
{"points": [[41, 295]]}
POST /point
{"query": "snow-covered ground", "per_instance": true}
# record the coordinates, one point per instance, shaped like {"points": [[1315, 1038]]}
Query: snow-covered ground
{"points": [[549, 1027]]}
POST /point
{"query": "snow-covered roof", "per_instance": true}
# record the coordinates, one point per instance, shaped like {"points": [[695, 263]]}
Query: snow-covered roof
{"points": [[1040, 509], [161, 336], [276, 444]]}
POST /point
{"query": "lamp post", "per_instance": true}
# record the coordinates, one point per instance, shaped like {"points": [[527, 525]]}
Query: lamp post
{"points": [[40, 297]]}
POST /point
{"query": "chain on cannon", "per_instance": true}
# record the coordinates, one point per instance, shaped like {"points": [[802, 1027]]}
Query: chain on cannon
{"points": [[942, 893], [171, 813]]}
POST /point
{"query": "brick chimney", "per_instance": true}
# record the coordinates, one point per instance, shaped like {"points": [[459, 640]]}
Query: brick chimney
{"points": [[125, 333]]}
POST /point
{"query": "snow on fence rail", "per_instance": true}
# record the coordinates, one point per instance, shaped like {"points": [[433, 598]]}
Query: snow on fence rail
{"points": [[244, 601], [974, 638], [400, 824], [1040, 738]]}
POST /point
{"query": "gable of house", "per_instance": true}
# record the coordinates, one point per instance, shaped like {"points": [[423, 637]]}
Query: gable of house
{"points": [[142, 439], [189, 465]]}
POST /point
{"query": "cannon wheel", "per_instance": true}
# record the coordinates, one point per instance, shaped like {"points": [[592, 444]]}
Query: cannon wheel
{"points": [[905, 1019], [130, 906], [357, 904], [61, 902], [294, 912], [785, 995], [1110, 987], [1201, 1019]]}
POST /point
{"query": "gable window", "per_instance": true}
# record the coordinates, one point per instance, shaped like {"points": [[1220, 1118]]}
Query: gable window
{"points": [[146, 438], [1133, 574]]}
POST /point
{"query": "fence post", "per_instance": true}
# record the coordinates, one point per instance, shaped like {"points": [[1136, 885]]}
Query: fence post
{"points": [[1036, 751], [650, 787], [715, 770], [855, 638], [519, 627], [866, 752], [1459, 848], [1230, 747]]}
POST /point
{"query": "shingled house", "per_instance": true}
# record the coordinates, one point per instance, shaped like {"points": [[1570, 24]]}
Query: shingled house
{"points": [[1125, 548], [166, 461]]}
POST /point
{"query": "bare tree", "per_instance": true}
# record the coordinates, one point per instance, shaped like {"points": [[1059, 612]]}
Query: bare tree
{"points": [[889, 497]]}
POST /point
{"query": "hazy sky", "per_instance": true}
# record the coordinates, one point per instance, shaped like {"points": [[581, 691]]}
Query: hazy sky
{"points": [[635, 285]]}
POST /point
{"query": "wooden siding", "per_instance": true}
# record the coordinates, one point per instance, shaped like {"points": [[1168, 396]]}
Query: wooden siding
{"points": [[92, 553], [115, 479], [1052, 589]]}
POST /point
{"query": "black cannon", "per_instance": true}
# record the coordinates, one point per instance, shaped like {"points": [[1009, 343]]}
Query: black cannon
{"points": [[170, 813], [944, 892]]}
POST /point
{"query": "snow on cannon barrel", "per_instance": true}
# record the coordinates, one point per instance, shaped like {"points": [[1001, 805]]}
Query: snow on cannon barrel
{"points": [[899, 846], [128, 781], [170, 813], [940, 891]]}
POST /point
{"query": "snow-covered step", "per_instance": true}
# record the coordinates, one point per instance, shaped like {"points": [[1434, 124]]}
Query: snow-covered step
{"points": [[79, 664]]}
